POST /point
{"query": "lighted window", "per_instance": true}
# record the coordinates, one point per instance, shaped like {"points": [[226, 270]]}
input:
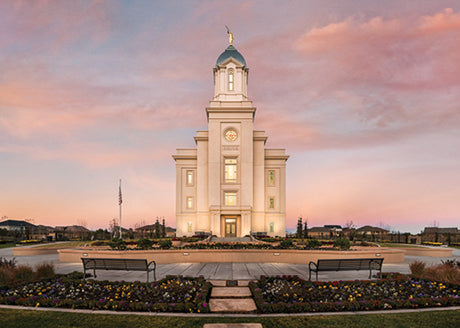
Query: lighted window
{"points": [[230, 169], [272, 227], [189, 178], [189, 202], [230, 198], [271, 202], [271, 178], [189, 229], [230, 80]]}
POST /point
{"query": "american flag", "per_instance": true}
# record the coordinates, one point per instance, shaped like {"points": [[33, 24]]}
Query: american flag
{"points": [[120, 200]]}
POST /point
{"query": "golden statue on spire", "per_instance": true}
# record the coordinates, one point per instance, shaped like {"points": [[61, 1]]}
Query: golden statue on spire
{"points": [[230, 36]]}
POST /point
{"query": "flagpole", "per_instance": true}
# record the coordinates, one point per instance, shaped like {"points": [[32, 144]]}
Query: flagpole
{"points": [[120, 201]]}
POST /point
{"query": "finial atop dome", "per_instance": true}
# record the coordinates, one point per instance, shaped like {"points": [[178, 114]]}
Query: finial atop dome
{"points": [[230, 36]]}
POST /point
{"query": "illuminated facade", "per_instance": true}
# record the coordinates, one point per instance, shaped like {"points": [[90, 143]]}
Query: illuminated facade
{"points": [[230, 185]]}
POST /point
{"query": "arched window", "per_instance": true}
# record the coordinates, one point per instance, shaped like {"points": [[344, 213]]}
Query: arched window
{"points": [[230, 80]]}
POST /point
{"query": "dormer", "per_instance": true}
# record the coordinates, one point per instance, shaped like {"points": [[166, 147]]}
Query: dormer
{"points": [[231, 77]]}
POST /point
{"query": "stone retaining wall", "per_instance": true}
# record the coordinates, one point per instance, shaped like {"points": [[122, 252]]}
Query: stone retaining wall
{"points": [[233, 255], [31, 251], [431, 252]]}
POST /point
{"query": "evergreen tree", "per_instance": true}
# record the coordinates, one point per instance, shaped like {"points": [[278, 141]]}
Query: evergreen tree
{"points": [[299, 228], [163, 229], [305, 230], [157, 229]]}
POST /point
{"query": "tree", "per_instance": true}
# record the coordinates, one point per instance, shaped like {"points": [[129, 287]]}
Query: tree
{"points": [[82, 223], [163, 230], [349, 224], [112, 227], [305, 230], [140, 225], [299, 228], [157, 229]]}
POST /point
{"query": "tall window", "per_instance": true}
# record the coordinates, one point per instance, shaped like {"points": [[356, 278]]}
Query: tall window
{"points": [[230, 198], [230, 169], [189, 178], [230, 80], [271, 202], [189, 202], [271, 178], [189, 227], [272, 227]]}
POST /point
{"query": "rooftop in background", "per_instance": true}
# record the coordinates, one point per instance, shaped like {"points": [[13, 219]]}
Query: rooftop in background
{"points": [[15, 223], [440, 230]]}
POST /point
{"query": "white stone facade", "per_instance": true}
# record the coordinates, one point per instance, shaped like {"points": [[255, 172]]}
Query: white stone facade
{"points": [[230, 185]]}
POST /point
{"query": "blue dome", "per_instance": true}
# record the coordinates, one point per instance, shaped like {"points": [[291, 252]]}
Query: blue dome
{"points": [[230, 52]]}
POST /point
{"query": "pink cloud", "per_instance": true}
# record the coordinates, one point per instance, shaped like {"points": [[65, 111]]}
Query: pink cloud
{"points": [[399, 53], [48, 26]]}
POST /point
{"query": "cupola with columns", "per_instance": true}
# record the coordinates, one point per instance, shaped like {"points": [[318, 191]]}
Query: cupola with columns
{"points": [[230, 78]]}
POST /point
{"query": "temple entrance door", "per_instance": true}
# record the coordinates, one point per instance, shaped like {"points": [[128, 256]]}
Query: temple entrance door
{"points": [[230, 227]]}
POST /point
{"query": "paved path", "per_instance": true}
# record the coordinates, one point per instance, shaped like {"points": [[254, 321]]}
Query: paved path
{"points": [[221, 271]]}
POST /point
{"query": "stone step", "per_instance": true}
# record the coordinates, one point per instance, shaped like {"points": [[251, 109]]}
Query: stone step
{"points": [[224, 283], [229, 292], [230, 239], [232, 305], [232, 325]]}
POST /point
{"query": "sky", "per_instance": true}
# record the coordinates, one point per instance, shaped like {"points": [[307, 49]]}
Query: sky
{"points": [[364, 96]]}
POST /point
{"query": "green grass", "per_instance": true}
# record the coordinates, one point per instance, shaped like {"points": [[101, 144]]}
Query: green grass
{"points": [[397, 245], [7, 245], [40, 319], [64, 245]]}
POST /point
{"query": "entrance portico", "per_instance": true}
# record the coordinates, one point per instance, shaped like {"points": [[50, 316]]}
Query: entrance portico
{"points": [[230, 226]]}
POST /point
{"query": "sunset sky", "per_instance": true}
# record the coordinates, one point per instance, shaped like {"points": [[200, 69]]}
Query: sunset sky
{"points": [[364, 96]]}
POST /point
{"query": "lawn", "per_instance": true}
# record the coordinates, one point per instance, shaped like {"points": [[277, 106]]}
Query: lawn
{"points": [[40, 319], [7, 245], [397, 245], [68, 244]]}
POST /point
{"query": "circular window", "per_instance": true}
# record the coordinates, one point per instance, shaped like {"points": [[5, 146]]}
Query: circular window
{"points": [[230, 134]]}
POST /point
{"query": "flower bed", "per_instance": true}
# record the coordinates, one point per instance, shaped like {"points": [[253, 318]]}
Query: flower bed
{"points": [[292, 294], [172, 294], [431, 243]]}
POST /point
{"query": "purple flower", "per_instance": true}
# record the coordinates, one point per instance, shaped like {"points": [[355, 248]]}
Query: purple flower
{"points": [[205, 304]]}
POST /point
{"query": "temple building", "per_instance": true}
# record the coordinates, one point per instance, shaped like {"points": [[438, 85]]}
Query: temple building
{"points": [[230, 185]]}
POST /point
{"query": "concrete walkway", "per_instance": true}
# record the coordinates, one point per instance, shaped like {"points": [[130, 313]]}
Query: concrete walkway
{"points": [[221, 271]]}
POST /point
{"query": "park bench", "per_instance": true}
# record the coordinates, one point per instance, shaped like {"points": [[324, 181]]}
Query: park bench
{"points": [[345, 265], [119, 264]]}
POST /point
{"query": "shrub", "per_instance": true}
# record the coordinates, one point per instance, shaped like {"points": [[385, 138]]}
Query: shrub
{"points": [[451, 263], [444, 273], [417, 268], [165, 244], [45, 271], [144, 244], [98, 243], [6, 276], [8, 264], [23, 274], [286, 243], [313, 243], [117, 243], [342, 243]]}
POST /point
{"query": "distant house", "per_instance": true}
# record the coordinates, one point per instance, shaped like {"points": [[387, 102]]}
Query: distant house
{"points": [[17, 225], [325, 232], [441, 235], [71, 232], [372, 233], [148, 231]]}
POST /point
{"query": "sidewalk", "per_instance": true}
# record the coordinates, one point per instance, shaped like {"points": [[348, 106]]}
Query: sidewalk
{"points": [[221, 271]]}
